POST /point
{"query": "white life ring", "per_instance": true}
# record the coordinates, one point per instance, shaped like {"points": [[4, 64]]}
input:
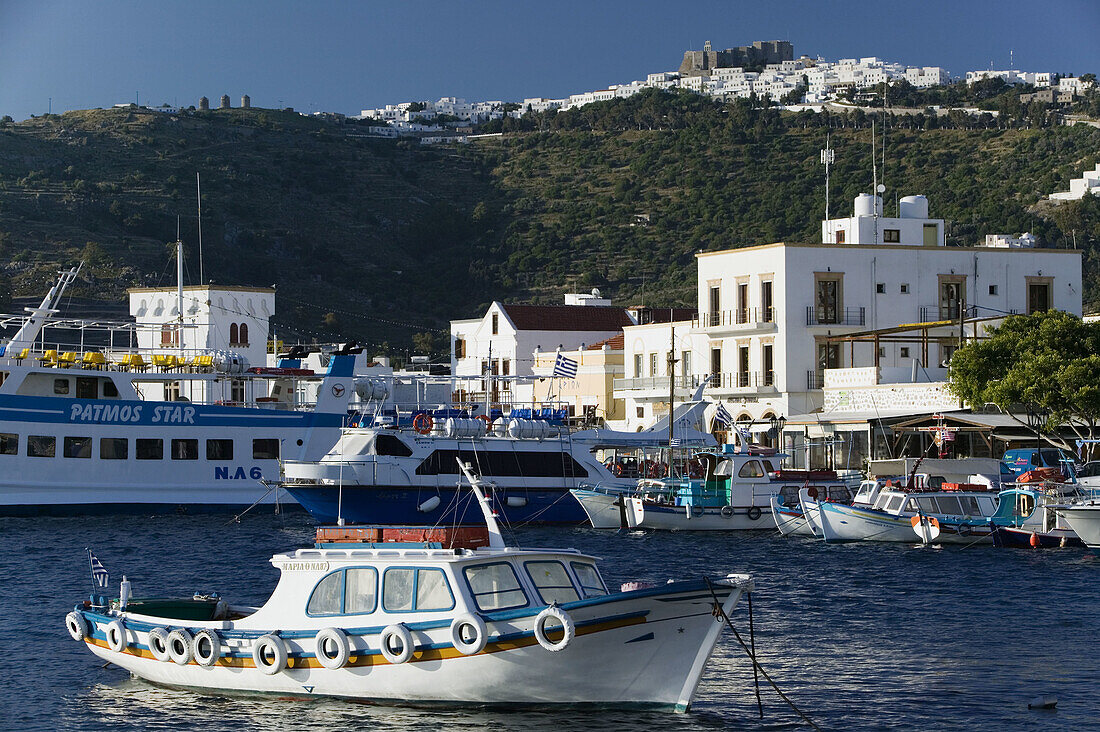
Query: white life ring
{"points": [[206, 647], [274, 645], [567, 625], [76, 625], [407, 648], [338, 640], [116, 636], [158, 644], [727, 512], [179, 646], [458, 636]]}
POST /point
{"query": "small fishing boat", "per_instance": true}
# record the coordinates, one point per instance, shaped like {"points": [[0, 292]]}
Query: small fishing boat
{"points": [[1027, 517], [961, 513], [1084, 519], [423, 616]]}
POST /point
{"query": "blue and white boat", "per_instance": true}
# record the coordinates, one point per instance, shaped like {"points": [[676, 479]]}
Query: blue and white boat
{"points": [[111, 427], [406, 623]]}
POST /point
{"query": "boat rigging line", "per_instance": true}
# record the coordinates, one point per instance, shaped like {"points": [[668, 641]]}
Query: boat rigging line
{"points": [[751, 652]]}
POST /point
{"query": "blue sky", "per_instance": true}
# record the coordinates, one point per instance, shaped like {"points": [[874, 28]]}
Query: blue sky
{"points": [[346, 56]]}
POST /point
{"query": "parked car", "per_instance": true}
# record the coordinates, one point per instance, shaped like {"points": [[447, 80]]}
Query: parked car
{"points": [[1021, 460]]}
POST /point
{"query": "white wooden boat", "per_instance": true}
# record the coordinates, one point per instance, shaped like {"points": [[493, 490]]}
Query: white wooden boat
{"points": [[416, 624]]}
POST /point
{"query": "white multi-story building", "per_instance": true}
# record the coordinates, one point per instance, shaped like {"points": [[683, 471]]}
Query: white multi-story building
{"points": [[505, 341], [1087, 184], [769, 311], [923, 77]]}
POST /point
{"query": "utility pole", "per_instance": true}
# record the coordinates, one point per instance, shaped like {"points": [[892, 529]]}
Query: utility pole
{"points": [[671, 385]]}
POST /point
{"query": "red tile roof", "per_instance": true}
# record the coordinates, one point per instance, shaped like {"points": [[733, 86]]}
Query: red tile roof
{"points": [[614, 343], [567, 317]]}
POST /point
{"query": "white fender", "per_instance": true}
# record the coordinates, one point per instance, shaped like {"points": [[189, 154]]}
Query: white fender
{"points": [[158, 644], [76, 625], [567, 625], [407, 647], [337, 640], [179, 646], [429, 505], [206, 647], [458, 635], [274, 645], [116, 636]]}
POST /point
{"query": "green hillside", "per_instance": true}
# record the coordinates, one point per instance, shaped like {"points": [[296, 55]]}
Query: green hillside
{"points": [[379, 239]]}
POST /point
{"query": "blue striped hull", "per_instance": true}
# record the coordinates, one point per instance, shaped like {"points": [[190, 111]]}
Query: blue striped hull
{"points": [[400, 505]]}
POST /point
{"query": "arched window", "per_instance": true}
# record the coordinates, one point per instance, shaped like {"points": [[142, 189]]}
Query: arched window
{"points": [[244, 334], [232, 334]]}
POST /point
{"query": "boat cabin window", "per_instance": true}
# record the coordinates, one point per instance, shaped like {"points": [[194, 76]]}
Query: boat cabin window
{"points": [[925, 504], [77, 447], [895, 503], [495, 586], [41, 445], [528, 463], [949, 505], [148, 449], [60, 386], [970, 506], [552, 582], [751, 469], [351, 591], [265, 449], [385, 444], [866, 490], [9, 443], [87, 387], [769, 466], [724, 469], [187, 449], [113, 448], [1025, 505], [109, 388], [219, 449], [591, 583], [837, 493], [788, 495], [408, 590]]}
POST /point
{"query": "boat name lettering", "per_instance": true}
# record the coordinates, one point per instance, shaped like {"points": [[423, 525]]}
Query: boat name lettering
{"points": [[177, 415], [105, 413], [305, 566], [222, 473]]}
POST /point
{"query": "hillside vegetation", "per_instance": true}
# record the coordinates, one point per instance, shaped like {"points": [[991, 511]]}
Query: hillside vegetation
{"points": [[379, 239]]}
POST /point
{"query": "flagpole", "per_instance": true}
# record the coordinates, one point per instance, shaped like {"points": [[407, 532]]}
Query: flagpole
{"points": [[91, 569]]}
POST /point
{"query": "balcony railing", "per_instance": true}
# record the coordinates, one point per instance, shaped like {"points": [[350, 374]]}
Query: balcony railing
{"points": [[742, 380], [739, 316], [649, 383], [815, 380], [835, 316], [930, 313]]}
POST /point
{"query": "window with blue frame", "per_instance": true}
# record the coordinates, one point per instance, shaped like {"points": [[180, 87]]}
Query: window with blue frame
{"points": [[408, 589], [495, 586], [591, 583], [552, 581], [351, 591]]}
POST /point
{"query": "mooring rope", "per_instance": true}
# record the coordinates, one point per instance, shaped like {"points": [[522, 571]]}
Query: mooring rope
{"points": [[752, 656]]}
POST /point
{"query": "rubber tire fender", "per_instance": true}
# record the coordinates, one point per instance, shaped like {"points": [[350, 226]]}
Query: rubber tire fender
{"points": [[116, 636], [567, 624], [179, 646], [408, 648], [339, 639], [278, 652], [158, 644], [481, 634], [76, 625], [215, 642], [753, 513]]}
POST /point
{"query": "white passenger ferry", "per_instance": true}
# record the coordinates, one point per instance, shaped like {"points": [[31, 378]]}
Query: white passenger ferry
{"points": [[125, 416]]}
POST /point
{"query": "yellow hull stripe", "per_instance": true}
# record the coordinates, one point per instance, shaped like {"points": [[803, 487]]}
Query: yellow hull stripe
{"points": [[377, 659]]}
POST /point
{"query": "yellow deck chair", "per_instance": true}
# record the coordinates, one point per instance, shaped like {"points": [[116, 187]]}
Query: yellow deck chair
{"points": [[49, 358], [67, 359], [22, 355], [93, 360]]}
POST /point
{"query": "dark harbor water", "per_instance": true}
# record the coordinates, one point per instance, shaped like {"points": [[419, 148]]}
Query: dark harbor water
{"points": [[859, 636]]}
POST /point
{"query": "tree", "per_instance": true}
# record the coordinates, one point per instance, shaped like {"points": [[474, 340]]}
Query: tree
{"points": [[424, 343], [1045, 364]]}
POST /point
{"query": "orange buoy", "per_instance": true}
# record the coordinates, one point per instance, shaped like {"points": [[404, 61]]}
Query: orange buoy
{"points": [[1034, 541]]}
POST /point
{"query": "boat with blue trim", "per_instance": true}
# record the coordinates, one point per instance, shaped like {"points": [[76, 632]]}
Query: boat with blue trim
{"points": [[464, 620], [160, 414]]}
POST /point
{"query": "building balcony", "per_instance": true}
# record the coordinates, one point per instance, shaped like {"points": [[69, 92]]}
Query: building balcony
{"points": [[656, 387], [836, 316], [934, 313], [739, 320], [743, 382]]}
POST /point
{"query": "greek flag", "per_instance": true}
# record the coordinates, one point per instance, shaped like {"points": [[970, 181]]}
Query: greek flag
{"points": [[566, 367], [722, 416], [100, 577], [674, 442]]}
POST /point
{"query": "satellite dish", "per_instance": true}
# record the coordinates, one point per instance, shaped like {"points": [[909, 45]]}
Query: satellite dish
{"points": [[595, 292], [881, 188]]}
